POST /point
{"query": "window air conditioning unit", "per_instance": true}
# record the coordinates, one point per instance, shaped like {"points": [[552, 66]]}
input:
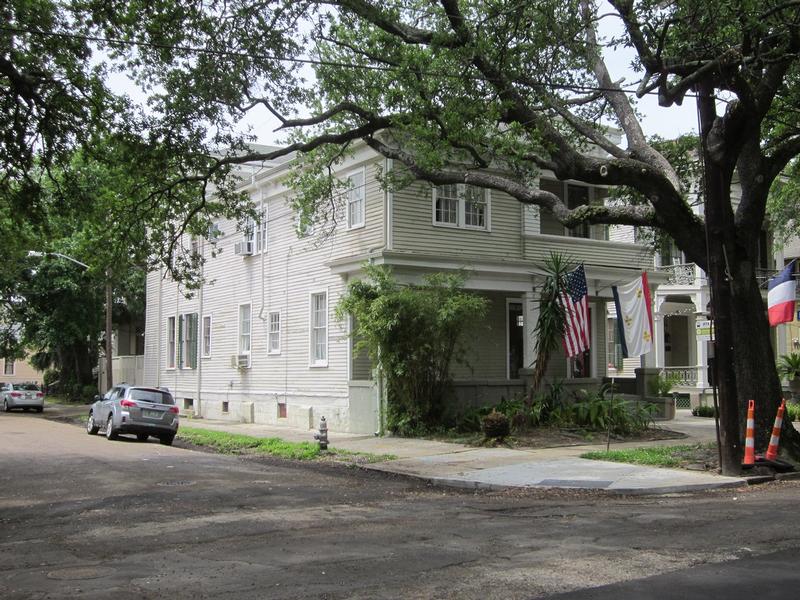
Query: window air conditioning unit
{"points": [[243, 248], [243, 361]]}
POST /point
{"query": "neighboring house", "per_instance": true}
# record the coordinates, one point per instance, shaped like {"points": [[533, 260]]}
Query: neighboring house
{"points": [[20, 371], [260, 342]]}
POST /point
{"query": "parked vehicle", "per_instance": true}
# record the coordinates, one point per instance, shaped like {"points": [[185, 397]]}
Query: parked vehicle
{"points": [[22, 395], [140, 410]]}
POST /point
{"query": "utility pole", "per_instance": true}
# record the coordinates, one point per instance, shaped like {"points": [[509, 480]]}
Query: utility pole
{"points": [[109, 306]]}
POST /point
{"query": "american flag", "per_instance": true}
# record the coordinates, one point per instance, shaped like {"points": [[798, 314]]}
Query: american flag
{"points": [[574, 301]]}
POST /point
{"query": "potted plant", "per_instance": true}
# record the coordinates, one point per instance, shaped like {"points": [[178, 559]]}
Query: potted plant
{"points": [[789, 367]]}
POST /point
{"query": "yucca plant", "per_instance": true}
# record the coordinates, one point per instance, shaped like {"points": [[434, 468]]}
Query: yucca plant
{"points": [[789, 365], [549, 329]]}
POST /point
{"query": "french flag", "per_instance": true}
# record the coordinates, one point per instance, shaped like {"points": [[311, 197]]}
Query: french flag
{"points": [[780, 298]]}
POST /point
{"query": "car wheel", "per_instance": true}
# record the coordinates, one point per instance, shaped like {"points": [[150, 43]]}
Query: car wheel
{"points": [[39, 409], [142, 437], [166, 440], [91, 428], [111, 433]]}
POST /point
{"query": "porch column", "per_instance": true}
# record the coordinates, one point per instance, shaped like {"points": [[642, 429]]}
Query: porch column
{"points": [[530, 315], [658, 340], [701, 343]]}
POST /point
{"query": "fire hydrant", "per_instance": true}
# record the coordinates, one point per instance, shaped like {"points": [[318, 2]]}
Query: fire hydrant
{"points": [[322, 436]]}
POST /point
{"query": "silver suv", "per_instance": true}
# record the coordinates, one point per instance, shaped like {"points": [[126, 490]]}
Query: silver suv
{"points": [[140, 410]]}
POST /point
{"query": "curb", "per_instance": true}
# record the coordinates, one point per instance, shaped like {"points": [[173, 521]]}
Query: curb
{"points": [[628, 491]]}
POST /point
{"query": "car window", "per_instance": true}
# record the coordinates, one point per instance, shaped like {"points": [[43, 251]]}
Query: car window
{"points": [[31, 387], [154, 396]]}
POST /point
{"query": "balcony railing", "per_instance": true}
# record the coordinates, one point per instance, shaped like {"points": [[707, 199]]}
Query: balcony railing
{"points": [[680, 274]]}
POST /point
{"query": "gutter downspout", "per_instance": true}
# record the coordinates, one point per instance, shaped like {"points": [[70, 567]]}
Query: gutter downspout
{"points": [[197, 401], [159, 324]]}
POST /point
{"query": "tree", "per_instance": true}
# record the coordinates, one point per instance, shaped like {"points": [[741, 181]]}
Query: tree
{"points": [[490, 93]]}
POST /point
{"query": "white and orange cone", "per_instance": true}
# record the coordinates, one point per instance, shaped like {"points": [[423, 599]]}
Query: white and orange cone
{"points": [[774, 440], [749, 437]]}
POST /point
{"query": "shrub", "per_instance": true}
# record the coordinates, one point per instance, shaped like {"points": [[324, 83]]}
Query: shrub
{"points": [[49, 377], [703, 411], [496, 425], [662, 384], [789, 365], [793, 411]]}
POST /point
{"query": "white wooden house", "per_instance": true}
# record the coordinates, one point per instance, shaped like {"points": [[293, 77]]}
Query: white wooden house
{"points": [[260, 341]]}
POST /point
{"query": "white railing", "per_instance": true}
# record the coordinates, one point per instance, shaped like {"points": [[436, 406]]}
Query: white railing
{"points": [[685, 376]]}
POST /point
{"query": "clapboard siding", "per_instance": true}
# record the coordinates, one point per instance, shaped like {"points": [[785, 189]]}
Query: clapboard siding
{"points": [[414, 231], [484, 344], [280, 280]]}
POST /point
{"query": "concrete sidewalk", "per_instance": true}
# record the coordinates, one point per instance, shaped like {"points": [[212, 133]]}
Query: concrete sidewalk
{"points": [[458, 465], [451, 464]]}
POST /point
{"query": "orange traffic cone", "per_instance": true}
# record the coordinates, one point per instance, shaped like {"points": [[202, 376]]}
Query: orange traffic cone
{"points": [[749, 436], [772, 450]]}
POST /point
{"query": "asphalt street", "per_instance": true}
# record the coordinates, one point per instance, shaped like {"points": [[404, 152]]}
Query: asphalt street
{"points": [[82, 517]]}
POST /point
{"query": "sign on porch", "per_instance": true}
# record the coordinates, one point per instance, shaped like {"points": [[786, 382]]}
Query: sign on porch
{"points": [[703, 330]]}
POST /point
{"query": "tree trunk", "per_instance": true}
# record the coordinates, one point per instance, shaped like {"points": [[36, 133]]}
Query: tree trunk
{"points": [[754, 362], [743, 350]]}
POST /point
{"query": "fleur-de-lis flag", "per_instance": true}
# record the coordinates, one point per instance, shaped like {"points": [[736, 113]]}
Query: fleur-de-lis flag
{"points": [[634, 316]]}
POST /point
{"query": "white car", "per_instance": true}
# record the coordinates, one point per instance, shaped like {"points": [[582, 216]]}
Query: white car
{"points": [[22, 395]]}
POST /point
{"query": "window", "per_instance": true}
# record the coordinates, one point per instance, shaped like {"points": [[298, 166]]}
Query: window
{"points": [[187, 341], [459, 205], [8, 367], [244, 329], [274, 341], [355, 199], [446, 205], [171, 342], [319, 329], [206, 336], [474, 207], [255, 232]]}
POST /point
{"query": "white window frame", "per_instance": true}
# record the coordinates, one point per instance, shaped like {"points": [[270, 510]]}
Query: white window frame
{"points": [[461, 209], [13, 364], [314, 330], [356, 195], [172, 342], [249, 334], [274, 333], [255, 232], [205, 342]]}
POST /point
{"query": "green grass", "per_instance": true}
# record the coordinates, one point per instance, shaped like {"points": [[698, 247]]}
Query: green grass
{"points": [[231, 443], [655, 456]]}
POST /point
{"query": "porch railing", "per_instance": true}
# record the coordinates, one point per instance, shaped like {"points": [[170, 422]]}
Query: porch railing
{"points": [[685, 376]]}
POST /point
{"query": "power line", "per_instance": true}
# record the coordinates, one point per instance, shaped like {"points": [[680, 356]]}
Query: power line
{"points": [[297, 60]]}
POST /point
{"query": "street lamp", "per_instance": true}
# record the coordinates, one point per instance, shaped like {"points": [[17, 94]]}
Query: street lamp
{"points": [[109, 306]]}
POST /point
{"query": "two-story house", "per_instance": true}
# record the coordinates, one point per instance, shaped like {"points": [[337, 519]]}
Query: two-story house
{"points": [[260, 342]]}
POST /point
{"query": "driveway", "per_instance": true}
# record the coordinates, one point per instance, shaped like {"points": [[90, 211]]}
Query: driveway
{"points": [[82, 517]]}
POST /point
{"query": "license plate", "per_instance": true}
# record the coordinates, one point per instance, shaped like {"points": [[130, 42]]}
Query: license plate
{"points": [[152, 414]]}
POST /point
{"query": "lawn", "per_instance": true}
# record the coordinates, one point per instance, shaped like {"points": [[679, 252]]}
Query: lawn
{"points": [[231, 443], [696, 455]]}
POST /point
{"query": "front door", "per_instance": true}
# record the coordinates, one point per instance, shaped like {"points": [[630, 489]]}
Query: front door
{"points": [[515, 339]]}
